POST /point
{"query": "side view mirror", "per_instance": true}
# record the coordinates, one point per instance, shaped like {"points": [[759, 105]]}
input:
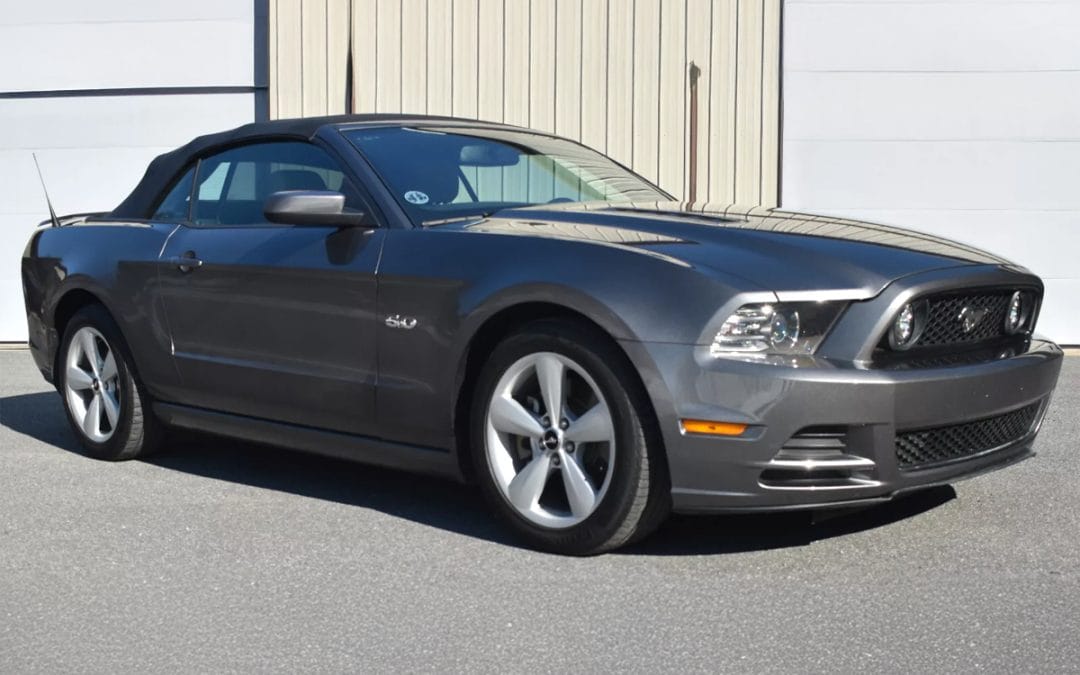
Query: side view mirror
{"points": [[310, 207]]}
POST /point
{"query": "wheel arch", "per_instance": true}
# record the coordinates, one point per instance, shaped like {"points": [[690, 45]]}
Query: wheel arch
{"points": [[67, 305], [497, 327], [71, 302]]}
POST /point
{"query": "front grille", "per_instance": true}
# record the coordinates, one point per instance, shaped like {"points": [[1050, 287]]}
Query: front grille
{"points": [[944, 325], [1001, 349], [929, 447], [942, 340]]}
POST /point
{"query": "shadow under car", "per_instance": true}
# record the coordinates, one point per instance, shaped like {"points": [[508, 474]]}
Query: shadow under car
{"points": [[448, 505]]}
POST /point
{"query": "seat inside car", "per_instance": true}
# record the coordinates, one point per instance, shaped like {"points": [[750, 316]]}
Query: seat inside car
{"points": [[295, 179], [239, 211]]}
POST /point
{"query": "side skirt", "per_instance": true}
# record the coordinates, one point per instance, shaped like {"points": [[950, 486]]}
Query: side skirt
{"points": [[363, 449]]}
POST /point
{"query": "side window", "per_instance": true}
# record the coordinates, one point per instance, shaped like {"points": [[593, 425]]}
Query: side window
{"points": [[212, 180], [174, 205], [233, 185], [242, 185]]}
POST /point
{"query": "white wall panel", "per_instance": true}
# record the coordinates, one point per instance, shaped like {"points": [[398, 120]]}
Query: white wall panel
{"points": [[957, 118], [874, 36], [919, 106], [76, 139], [92, 152], [1059, 313], [932, 174], [105, 11], [125, 43], [93, 148]]}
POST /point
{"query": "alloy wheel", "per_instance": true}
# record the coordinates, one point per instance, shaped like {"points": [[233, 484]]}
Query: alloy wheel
{"points": [[550, 440], [92, 385]]}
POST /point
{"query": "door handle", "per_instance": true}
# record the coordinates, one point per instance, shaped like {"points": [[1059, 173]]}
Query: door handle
{"points": [[186, 262]]}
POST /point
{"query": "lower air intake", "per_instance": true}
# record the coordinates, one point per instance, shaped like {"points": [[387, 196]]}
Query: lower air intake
{"points": [[926, 448]]}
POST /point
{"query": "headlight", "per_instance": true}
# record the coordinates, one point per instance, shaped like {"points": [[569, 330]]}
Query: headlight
{"points": [[780, 328]]}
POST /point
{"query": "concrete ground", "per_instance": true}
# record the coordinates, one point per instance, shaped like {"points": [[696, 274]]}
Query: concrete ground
{"points": [[217, 556]]}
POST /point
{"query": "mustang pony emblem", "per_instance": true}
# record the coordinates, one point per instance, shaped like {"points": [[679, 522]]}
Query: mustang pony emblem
{"points": [[969, 318]]}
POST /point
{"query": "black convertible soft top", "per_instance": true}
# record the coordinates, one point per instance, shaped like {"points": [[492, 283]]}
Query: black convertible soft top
{"points": [[164, 168]]}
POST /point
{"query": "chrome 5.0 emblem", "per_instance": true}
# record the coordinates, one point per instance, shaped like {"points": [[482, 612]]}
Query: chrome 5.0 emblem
{"points": [[969, 318], [398, 321]]}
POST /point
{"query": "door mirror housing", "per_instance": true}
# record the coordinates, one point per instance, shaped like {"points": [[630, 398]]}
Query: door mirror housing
{"points": [[311, 207]]}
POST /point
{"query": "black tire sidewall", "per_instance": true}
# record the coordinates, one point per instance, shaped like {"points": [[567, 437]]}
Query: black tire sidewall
{"points": [[596, 357], [116, 447]]}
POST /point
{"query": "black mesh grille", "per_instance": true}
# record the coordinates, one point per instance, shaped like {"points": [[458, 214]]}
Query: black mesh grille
{"points": [[945, 326], [937, 359], [927, 447]]}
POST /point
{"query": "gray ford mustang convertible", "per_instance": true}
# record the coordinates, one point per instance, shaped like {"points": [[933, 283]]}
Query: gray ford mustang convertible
{"points": [[508, 307]]}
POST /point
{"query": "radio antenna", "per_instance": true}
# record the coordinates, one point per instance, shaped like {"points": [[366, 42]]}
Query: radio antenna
{"points": [[52, 213]]}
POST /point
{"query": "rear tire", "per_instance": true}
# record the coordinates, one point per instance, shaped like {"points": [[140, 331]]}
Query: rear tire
{"points": [[106, 404], [565, 446]]}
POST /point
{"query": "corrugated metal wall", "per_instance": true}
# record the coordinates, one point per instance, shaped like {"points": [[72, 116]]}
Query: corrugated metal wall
{"points": [[613, 74]]}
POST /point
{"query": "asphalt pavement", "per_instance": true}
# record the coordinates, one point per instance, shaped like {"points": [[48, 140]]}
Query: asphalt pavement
{"points": [[216, 556]]}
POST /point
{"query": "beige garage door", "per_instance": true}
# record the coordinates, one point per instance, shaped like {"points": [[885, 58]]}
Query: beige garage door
{"points": [[614, 74]]}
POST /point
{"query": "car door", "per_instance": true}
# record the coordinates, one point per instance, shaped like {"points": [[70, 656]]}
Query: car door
{"points": [[271, 320]]}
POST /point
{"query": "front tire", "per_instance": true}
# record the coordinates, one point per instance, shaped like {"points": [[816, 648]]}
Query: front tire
{"points": [[564, 443], [105, 403]]}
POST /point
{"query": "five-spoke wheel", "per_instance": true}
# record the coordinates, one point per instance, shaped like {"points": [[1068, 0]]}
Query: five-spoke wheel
{"points": [[562, 444], [547, 421], [91, 384], [104, 400]]}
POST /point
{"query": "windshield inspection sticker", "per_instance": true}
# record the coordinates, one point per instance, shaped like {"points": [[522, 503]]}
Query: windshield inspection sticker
{"points": [[416, 197]]}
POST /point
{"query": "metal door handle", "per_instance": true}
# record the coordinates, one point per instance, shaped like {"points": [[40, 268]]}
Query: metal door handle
{"points": [[185, 263]]}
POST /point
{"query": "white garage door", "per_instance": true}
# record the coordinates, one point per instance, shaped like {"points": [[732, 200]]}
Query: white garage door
{"points": [[97, 89], [958, 118]]}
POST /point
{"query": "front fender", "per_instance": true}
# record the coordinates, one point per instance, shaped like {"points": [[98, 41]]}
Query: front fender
{"points": [[454, 282]]}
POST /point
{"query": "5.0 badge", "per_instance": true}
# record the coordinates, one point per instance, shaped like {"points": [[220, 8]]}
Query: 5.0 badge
{"points": [[398, 321]]}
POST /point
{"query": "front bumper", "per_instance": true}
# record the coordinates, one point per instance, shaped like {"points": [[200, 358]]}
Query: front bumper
{"points": [[789, 409]]}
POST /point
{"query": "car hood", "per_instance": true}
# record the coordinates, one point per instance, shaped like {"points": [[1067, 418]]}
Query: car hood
{"points": [[782, 251]]}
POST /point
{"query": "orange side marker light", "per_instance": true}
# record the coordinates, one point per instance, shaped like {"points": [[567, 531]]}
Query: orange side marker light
{"points": [[713, 428]]}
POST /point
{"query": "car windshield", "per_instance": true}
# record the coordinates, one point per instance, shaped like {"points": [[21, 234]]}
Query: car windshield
{"points": [[442, 173]]}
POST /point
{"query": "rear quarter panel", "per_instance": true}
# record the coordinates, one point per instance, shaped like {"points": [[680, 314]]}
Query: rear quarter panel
{"points": [[116, 263]]}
